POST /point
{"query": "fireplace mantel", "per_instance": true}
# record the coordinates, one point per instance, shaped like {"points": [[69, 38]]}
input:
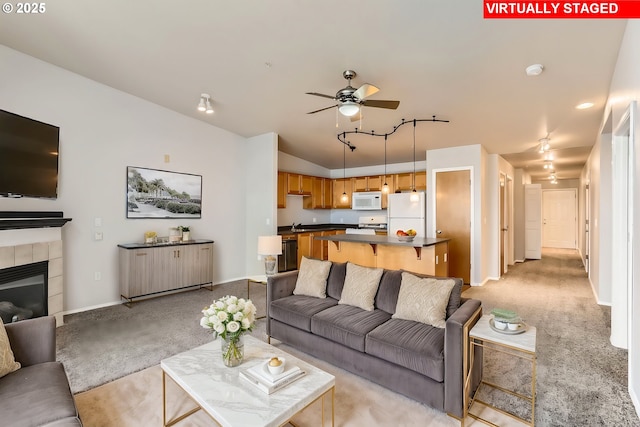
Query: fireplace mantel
{"points": [[16, 220]]}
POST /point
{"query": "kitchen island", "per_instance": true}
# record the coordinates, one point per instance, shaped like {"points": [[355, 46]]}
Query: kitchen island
{"points": [[423, 255]]}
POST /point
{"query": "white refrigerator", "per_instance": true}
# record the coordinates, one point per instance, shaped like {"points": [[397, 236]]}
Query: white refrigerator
{"points": [[403, 213]]}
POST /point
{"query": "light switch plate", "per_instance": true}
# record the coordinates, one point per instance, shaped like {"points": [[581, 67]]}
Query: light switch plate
{"points": [[98, 235]]}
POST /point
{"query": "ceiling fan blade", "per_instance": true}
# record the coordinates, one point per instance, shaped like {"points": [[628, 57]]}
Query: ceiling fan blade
{"points": [[365, 90], [322, 109], [320, 94], [392, 105]]}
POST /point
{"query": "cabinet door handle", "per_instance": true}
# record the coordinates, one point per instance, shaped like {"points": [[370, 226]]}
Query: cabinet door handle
{"points": [[204, 249], [142, 254]]}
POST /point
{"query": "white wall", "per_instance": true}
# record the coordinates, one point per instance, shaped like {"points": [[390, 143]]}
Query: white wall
{"points": [[625, 87], [521, 178], [102, 131], [474, 157], [260, 188]]}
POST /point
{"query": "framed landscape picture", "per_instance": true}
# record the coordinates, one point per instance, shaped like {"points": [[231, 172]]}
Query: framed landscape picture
{"points": [[153, 193]]}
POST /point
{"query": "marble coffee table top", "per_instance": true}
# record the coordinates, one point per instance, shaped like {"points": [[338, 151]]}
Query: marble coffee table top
{"points": [[231, 400], [525, 341]]}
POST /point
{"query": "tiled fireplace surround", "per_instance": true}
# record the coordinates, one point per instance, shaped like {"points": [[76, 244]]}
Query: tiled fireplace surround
{"points": [[26, 246]]}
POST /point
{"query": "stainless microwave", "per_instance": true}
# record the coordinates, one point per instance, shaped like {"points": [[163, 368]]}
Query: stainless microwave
{"points": [[366, 201]]}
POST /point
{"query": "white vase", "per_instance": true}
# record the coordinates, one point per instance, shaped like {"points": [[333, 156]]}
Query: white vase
{"points": [[186, 235]]}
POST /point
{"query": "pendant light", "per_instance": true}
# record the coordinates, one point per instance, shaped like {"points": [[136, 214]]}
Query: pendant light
{"points": [[385, 186], [414, 195], [344, 198]]}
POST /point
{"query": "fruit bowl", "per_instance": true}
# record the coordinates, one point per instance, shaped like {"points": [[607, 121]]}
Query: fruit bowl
{"points": [[406, 238]]}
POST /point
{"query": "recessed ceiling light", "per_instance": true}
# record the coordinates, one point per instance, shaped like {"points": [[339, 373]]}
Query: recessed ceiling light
{"points": [[534, 70], [584, 105]]}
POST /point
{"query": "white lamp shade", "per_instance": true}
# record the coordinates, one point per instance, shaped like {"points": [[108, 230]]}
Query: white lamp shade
{"points": [[269, 245], [349, 108]]}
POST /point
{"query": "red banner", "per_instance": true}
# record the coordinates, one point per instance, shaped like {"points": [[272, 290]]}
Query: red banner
{"points": [[625, 9]]}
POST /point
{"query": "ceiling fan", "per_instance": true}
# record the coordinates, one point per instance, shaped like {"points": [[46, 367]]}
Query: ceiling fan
{"points": [[351, 99]]}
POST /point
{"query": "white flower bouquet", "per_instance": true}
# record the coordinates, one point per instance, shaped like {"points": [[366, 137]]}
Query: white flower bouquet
{"points": [[230, 317]]}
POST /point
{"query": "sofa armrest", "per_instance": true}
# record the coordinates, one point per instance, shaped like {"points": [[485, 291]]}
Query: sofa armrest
{"points": [[33, 341], [456, 356], [279, 286]]}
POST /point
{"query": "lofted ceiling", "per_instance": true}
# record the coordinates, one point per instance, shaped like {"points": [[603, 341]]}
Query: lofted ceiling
{"points": [[257, 59]]}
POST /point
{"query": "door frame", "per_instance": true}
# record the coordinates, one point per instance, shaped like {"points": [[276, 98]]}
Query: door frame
{"points": [[434, 174]]}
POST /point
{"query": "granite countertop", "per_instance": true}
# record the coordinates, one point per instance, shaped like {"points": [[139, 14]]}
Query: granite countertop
{"points": [[310, 228], [383, 240], [161, 244]]}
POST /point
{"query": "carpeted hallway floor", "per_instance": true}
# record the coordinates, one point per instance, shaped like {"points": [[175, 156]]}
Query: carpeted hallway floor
{"points": [[581, 379]]}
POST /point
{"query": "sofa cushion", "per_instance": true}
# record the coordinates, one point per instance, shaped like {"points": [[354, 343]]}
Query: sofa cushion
{"points": [[44, 383], [413, 345], [423, 299], [335, 282], [312, 278], [347, 325], [360, 286], [297, 310], [387, 296], [8, 363]]}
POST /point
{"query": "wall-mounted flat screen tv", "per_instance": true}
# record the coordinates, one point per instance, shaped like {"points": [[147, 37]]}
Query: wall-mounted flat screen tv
{"points": [[28, 157]]}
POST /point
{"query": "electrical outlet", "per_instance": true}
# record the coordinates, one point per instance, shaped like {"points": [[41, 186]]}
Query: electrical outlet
{"points": [[98, 235], [97, 275], [341, 220], [97, 222], [314, 220], [167, 158], [268, 221]]}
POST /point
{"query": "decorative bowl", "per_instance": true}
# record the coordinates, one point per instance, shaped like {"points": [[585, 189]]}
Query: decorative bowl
{"points": [[406, 238], [278, 369], [513, 326], [499, 324]]}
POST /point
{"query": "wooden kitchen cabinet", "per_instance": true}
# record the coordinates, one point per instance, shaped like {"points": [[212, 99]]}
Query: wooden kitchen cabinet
{"points": [[282, 189], [309, 247], [404, 181], [146, 270], [321, 194], [342, 185], [299, 184], [367, 183]]}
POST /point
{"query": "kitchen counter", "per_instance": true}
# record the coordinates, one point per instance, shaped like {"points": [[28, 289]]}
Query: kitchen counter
{"points": [[311, 228], [383, 240], [425, 255]]}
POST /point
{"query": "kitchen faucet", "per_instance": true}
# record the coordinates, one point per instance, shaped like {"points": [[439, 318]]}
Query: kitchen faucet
{"points": [[294, 226]]}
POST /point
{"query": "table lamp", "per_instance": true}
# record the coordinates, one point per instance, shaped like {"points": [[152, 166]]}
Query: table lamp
{"points": [[269, 246]]}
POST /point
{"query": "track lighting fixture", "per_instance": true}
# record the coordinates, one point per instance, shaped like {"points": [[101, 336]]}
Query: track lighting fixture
{"points": [[544, 145], [205, 104], [344, 198], [414, 195], [548, 164], [385, 186]]}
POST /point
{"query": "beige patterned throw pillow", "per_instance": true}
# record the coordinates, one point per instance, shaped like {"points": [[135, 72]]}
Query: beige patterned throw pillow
{"points": [[360, 286], [423, 300], [312, 278], [7, 362]]}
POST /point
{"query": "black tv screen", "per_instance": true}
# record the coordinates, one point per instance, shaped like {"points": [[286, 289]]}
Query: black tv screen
{"points": [[28, 157]]}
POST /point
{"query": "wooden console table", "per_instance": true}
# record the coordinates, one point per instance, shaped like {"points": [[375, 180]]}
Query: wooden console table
{"points": [[147, 269]]}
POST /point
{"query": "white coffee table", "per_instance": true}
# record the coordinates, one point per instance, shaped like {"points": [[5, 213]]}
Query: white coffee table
{"points": [[233, 402]]}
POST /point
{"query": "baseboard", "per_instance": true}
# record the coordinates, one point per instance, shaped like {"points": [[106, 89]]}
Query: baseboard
{"points": [[519, 260], [636, 400], [92, 307], [595, 295]]}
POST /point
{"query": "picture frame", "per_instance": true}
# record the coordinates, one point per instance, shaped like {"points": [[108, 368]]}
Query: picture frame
{"points": [[155, 193]]}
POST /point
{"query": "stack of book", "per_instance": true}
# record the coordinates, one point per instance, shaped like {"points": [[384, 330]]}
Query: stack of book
{"points": [[506, 316], [261, 378]]}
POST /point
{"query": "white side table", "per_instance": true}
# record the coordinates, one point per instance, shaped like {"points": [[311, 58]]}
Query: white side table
{"points": [[522, 345]]}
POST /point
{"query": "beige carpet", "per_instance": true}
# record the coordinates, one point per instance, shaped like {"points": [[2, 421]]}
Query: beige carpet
{"points": [[136, 400]]}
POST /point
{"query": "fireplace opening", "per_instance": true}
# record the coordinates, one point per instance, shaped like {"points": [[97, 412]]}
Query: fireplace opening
{"points": [[23, 292]]}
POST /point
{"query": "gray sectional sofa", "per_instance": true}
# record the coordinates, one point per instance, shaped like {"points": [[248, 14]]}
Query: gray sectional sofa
{"points": [[423, 362], [38, 393]]}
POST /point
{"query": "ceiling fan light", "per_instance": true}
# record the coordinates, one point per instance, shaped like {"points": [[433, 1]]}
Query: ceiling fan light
{"points": [[349, 108]]}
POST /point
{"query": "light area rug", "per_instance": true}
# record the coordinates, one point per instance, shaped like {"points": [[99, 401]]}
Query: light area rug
{"points": [[136, 400]]}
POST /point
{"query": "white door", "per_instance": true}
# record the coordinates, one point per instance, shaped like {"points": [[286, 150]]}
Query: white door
{"points": [[559, 219], [533, 221]]}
